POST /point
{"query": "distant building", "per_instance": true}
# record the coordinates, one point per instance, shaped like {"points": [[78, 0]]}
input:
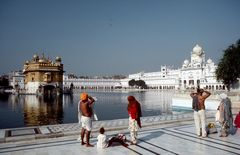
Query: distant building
{"points": [[16, 80], [193, 73], [196, 72], [93, 83], [43, 76]]}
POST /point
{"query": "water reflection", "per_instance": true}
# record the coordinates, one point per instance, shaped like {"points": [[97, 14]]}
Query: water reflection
{"points": [[4, 97], [157, 102], [31, 110], [39, 110]]}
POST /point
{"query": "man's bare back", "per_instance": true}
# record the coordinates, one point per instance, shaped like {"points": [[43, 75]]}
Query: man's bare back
{"points": [[85, 109]]}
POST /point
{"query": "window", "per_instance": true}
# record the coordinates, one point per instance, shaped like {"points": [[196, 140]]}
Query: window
{"points": [[47, 77]]}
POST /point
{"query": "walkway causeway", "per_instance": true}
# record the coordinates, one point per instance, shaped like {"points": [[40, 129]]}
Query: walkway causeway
{"points": [[172, 134]]}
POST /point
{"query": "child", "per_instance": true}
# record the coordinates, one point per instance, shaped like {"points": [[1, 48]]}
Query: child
{"points": [[103, 143], [102, 139]]}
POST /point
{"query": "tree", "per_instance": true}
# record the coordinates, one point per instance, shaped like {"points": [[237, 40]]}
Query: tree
{"points": [[228, 69], [132, 83], [141, 84]]}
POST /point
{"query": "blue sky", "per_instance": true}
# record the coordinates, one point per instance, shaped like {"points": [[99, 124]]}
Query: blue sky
{"points": [[108, 37]]}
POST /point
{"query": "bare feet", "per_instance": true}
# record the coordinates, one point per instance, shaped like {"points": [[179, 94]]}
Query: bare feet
{"points": [[89, 145]]}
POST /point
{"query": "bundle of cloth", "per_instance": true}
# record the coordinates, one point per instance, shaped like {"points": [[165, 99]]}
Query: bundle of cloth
{"points": [[226, 117]]}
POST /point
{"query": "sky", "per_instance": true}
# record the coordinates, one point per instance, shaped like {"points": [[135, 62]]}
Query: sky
{"points": [[115, 37]]}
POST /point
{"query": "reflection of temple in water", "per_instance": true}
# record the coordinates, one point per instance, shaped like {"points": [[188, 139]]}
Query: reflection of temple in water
{"points": [[161, 101], [42, 111]]}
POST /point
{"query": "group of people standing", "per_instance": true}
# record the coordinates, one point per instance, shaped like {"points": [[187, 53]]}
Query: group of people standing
{"points": [[134, 111], [225, 113], [86, 114]]}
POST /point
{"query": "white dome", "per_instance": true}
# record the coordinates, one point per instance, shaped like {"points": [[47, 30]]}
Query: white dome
{"points": [[197, 50], [186, 62], [209, 61]]}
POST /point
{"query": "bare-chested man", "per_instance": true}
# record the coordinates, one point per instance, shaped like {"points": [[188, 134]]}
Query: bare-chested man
{"points": [[199, 110], [86, 114]]}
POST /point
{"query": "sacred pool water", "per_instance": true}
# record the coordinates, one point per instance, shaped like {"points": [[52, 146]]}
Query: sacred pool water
{"points": [[30, 110]]}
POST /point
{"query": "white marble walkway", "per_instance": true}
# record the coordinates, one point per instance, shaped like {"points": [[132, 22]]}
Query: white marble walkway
{"points": [[164, 139], [173, 134]]}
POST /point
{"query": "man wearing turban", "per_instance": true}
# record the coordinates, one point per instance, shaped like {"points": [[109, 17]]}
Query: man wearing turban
{"points": [[86, 114]]}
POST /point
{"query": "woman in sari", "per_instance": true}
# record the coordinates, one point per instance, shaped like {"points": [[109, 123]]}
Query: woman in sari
{"points": [[134, 111]]}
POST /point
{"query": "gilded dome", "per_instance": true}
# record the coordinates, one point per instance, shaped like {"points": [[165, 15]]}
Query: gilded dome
{"points": [[35, 56], [58, 59]]}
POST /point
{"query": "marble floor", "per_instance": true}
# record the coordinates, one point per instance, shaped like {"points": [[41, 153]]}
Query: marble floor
{"points": [[161, 139]]}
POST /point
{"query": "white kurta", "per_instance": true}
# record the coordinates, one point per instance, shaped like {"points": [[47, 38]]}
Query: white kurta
{"points": [[102, 141]]}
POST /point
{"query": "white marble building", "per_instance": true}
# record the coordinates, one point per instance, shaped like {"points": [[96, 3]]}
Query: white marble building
{"points": [[93, 83], [194, 72], [16, 79]]}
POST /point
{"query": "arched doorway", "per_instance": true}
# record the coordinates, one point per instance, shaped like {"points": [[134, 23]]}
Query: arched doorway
{"points": [[49, 90]]}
